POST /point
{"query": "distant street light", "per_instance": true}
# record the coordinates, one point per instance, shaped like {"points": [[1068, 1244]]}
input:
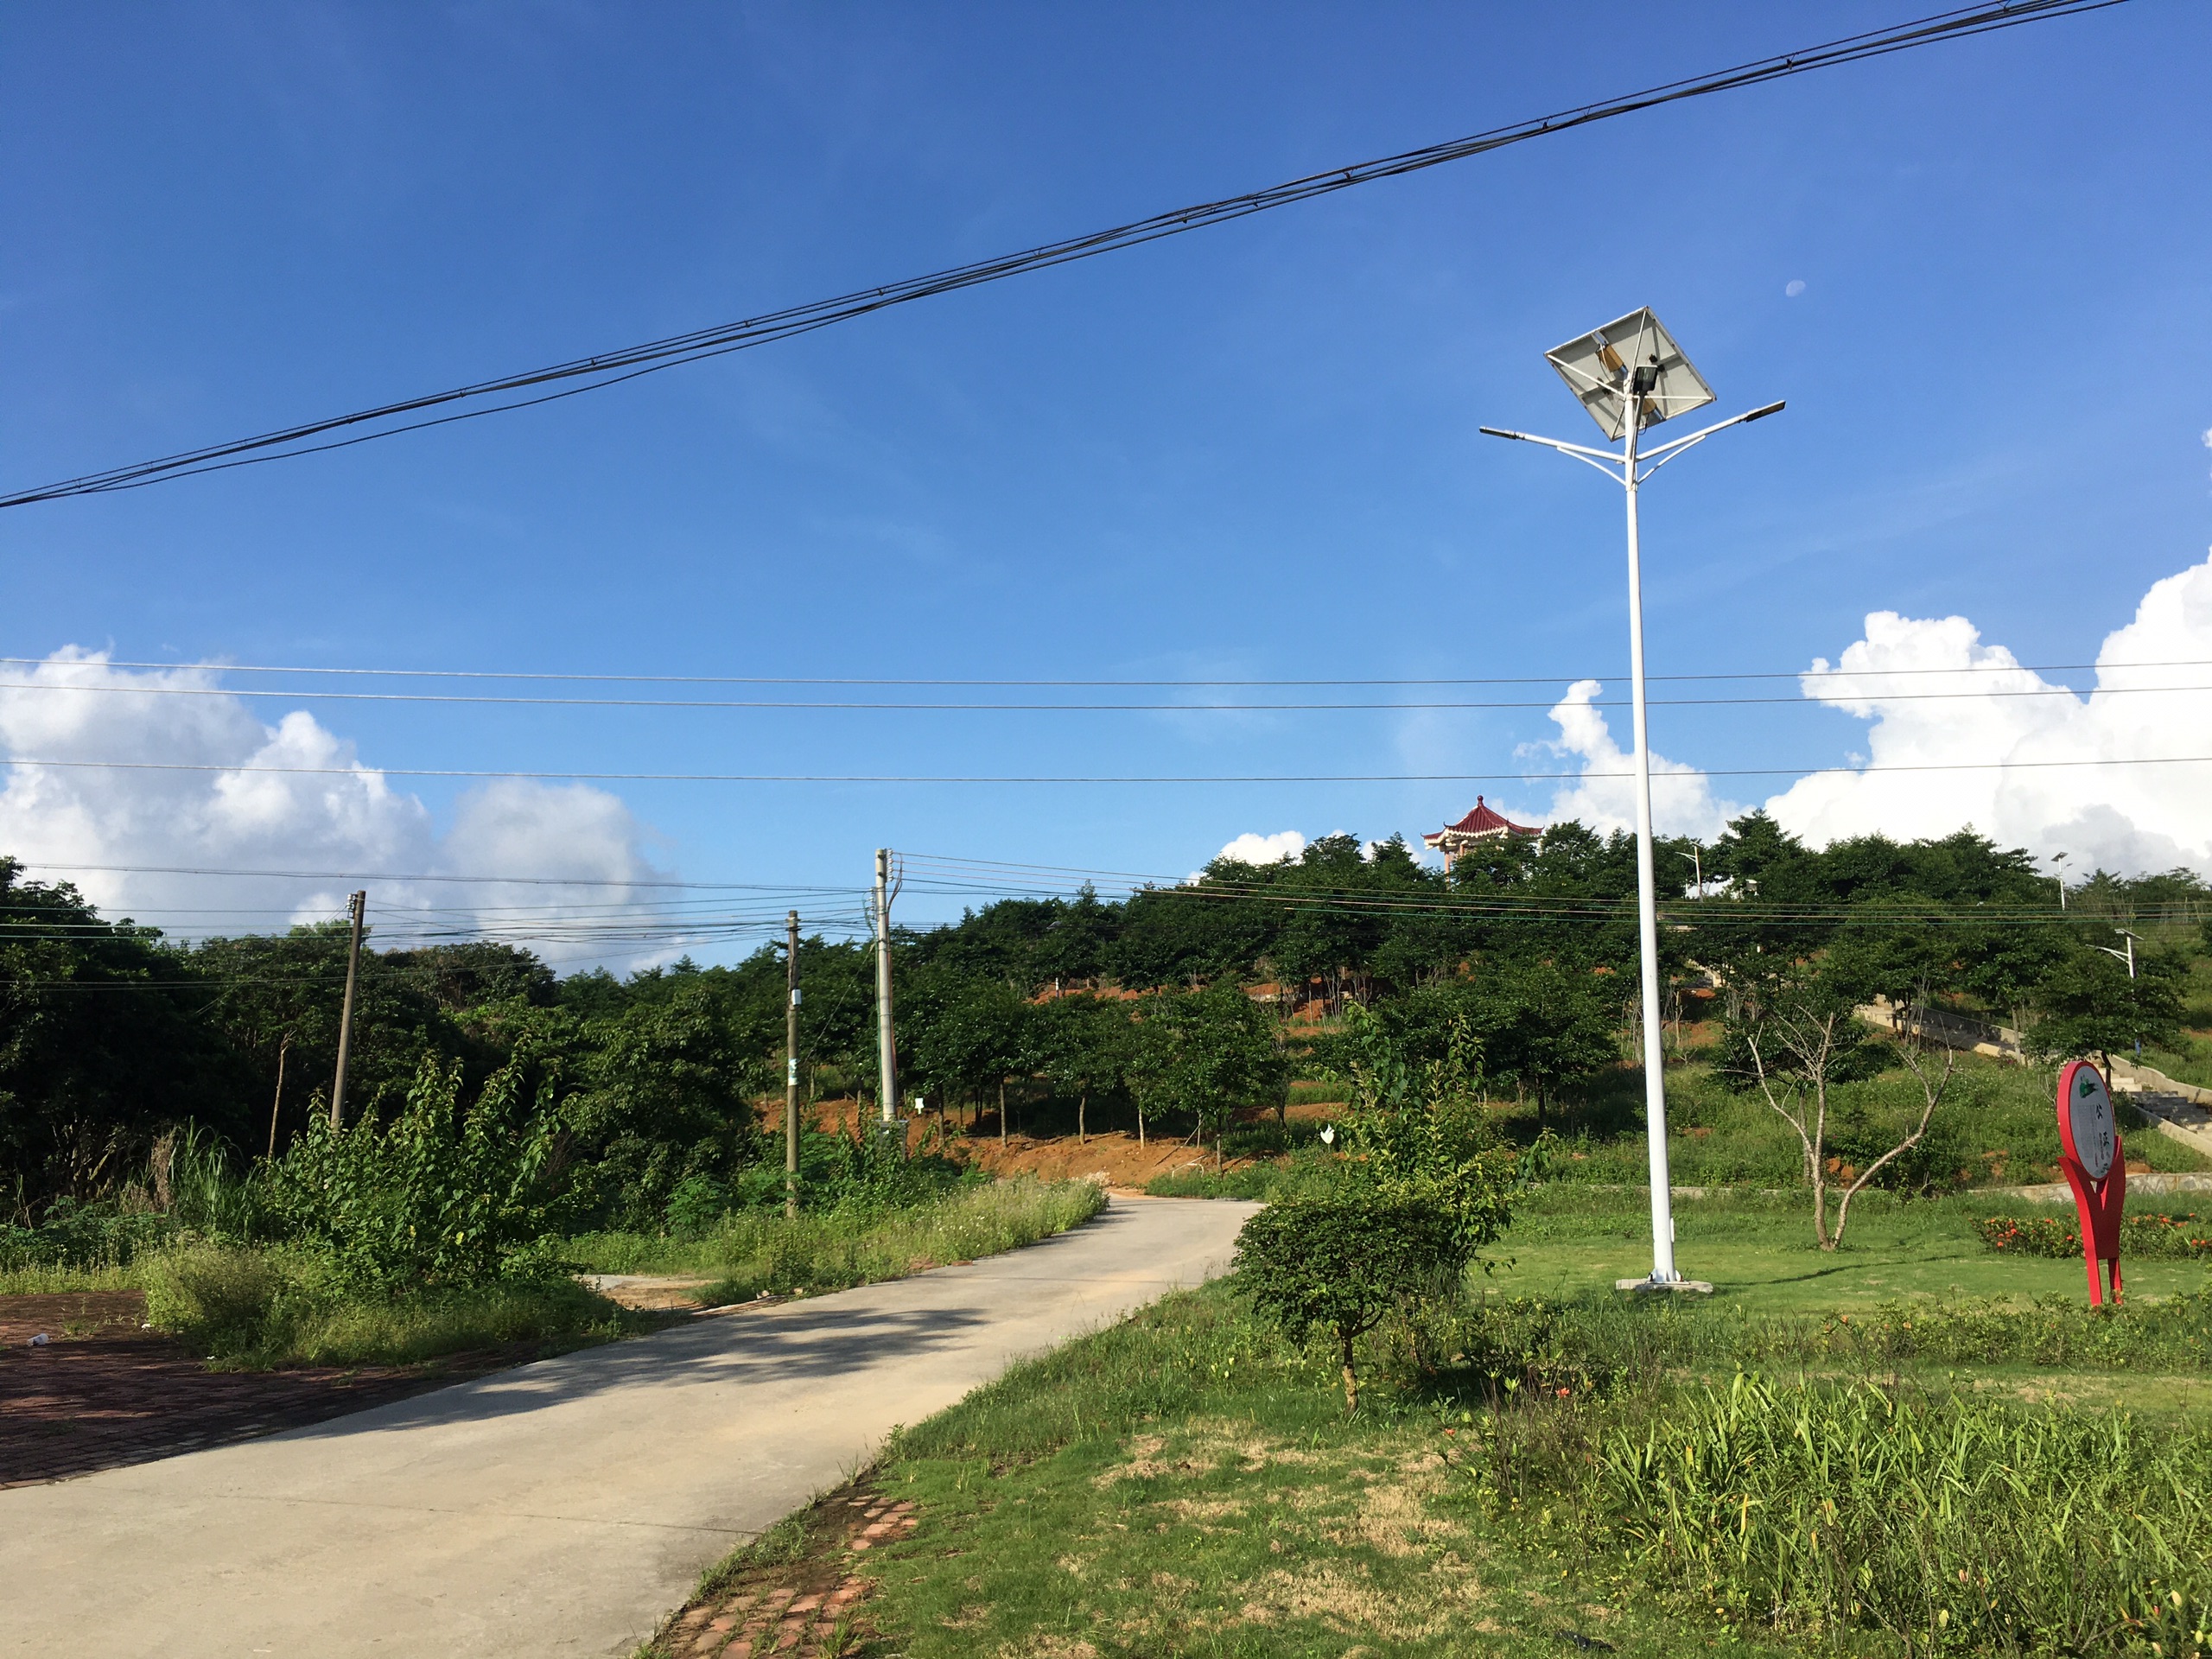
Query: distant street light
{"points": [[2127, 957], [1697, 866], [1630, 374], [2060, 859]]}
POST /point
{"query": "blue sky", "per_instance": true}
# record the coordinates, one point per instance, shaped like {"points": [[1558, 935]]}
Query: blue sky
{"points": [[1250, 452]]}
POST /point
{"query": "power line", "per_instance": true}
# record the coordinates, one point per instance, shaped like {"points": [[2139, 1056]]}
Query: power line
{"points": [[1969, 669], [611, 368], [781, 890], [1009, 778], [794, 706]]}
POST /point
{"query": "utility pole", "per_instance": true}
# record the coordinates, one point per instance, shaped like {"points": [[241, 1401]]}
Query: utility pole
{"points": [[359, 905], [791, 1067], [887, 1052], [278, 1105]]}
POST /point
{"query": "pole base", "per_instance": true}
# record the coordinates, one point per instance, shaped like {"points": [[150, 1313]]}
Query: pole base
{"points": [[1691, 1286]]}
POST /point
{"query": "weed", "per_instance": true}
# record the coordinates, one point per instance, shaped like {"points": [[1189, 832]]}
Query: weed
{"points": [[751, 1251]]}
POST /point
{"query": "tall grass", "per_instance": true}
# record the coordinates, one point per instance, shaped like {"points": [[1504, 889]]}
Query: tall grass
{"points": [[752, 1251], [1947, 1523], [257, 1308], [1602, 1344]]}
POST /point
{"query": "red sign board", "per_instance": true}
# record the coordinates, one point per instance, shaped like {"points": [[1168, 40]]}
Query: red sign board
{"points": [[2096, 1167]]}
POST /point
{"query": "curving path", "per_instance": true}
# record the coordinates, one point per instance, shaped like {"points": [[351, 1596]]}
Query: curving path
{"points": [[563, 1507]]}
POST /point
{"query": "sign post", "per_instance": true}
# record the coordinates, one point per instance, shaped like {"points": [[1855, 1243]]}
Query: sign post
{"points": [[2096, 1167]]}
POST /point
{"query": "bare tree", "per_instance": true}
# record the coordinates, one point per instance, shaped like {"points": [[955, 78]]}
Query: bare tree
{"points": [[1798, 1044]]}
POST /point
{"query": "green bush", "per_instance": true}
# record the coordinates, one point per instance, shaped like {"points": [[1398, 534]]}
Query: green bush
{"points": [[2155, 1236], [441, 1197], [218, 1297], [73, 1234], [1339, 1262]]}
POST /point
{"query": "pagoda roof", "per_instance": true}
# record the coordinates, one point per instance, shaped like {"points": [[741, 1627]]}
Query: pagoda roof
{"points": [[1481, 821]]}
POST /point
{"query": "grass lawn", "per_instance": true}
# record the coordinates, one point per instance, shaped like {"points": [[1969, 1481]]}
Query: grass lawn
{"points": [[1186, 1483], [1759, 1252], [1179, 1485]]}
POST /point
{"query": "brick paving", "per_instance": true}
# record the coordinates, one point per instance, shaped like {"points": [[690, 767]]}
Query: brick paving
{"points": [[103, 1392], [807, 1608]]}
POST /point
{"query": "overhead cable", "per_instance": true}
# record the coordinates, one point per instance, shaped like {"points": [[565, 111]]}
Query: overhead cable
{"points": [[562, 674], [605, 369], [1010, 779], [794, 706]]}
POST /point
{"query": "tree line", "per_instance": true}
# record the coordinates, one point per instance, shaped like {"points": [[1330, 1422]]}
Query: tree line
{"points": [[1189, 1002]]}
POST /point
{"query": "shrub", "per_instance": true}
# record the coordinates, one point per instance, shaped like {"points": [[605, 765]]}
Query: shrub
{"points": [[2155, 1236], [440, 1196], [73, 1234], [218, 1297], [1339, 1262]]}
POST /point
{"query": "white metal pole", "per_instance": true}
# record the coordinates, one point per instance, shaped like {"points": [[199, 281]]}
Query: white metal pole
{"points": [[1647, 894]]}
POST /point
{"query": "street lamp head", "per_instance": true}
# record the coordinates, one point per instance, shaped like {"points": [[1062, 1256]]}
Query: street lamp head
{"points": [[1633, 357]]}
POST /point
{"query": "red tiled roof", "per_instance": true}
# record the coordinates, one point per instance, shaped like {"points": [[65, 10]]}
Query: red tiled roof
{"points": [[1481, 821]]}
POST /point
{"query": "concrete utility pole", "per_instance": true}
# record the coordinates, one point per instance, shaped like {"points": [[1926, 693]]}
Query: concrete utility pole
{"points": [[358, 905], [791, 1067], [887, 1052]]}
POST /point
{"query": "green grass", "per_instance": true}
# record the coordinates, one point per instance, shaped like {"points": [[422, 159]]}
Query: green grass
{"points": [[1184, 1483], [1995, 1126], [48, 1281], [754, 1251], [1568, 1241], [2192, 1063], [1187, 1483], [261, 1309]]}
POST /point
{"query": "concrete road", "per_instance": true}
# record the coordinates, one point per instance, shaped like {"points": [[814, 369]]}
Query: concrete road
{"points": [[561, 1507]]}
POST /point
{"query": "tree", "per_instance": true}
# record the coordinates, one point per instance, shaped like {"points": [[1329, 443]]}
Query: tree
{"points": [[1801, 1039], [1084, 1045], [102, 1047], [1209, 1053], [666, 1091], [1405, 1215], [977, 1040], [1340, 1260], [1541, 1025], [2089, 1005]]}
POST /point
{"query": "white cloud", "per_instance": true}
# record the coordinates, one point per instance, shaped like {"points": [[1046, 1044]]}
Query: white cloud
{"points": [[1603, 797], [1251, 847], [204, 796], [2125, 817], [1959, 734]]}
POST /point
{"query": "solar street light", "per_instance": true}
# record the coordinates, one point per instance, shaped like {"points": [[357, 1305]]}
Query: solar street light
{"points": [[1629, 375]]}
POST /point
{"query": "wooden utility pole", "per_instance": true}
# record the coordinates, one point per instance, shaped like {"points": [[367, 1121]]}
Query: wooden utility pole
{"points": [[887, 1053], [791, 1067], [278, 1105], [358, 905]]}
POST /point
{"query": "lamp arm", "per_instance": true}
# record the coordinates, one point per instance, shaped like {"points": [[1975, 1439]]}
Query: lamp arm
{"points": [[1667, 450], [1605, 462]]}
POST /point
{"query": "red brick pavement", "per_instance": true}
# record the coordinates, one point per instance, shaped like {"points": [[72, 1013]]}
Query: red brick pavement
{"points": [[806, 1609], [104, 1391]]}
